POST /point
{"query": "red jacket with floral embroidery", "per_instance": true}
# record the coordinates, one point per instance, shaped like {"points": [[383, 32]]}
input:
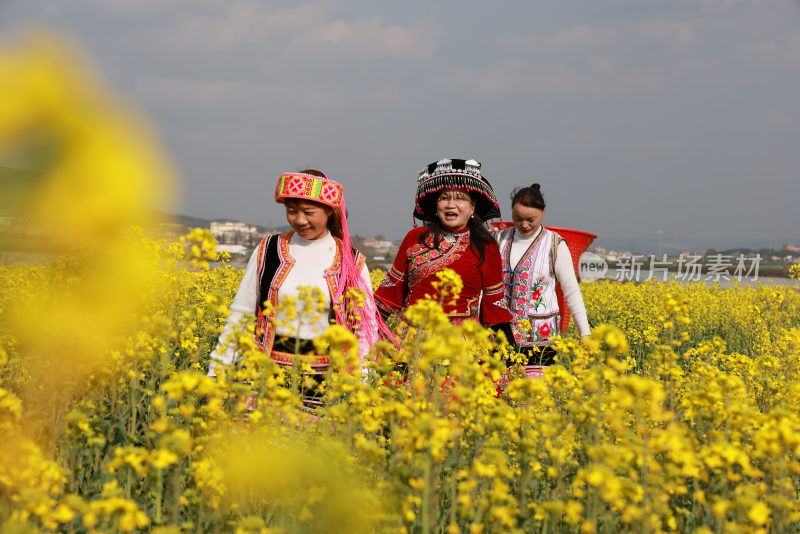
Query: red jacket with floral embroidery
{"points": [[414, 271]]}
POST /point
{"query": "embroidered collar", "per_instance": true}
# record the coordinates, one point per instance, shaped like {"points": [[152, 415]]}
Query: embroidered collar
{"points": [[528, 252], [460, 231]]}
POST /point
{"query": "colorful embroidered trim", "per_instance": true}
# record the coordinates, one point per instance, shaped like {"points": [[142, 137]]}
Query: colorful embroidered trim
{"points": [[424, 261], [287, 358], [308, 187]]}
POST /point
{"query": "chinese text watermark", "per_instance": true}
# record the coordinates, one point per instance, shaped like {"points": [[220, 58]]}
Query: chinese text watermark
{"points": [[684, 268]]}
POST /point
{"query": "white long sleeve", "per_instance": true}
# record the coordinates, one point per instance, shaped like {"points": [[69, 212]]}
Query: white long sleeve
{"points": [[565, 274], [245, 301]]}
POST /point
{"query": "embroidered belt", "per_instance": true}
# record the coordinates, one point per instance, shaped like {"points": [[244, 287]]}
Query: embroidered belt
{"points": [[288, 358]]}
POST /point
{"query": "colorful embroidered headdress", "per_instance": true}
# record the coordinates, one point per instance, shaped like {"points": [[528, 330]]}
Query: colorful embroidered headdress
{"points": [[309, 187], [454, 173], [330, 193]]}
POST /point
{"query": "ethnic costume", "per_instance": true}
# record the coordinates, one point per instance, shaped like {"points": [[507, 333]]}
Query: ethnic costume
{"points": [[414, 271], [284, 263], [531, 268], [420, 258]]}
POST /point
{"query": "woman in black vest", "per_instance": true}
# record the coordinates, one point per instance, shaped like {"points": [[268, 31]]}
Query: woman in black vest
{"points": [[315, 254]]}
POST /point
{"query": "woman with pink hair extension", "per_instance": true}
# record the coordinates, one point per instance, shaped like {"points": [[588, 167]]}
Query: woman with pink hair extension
{"points": [[316, 253]]}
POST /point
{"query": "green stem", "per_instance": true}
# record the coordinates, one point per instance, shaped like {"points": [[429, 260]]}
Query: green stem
{"points": [[426, 495], [132, 403], [159, 496], [176, 495]]}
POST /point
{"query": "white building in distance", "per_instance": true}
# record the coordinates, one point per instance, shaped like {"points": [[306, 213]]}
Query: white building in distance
{"points": [[234, 233], [381, 247]]}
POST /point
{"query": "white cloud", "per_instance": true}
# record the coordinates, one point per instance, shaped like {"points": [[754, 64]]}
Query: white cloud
{"points": [[782, 51], [730, 3], [602, 77], [246, 22], [644, 56], [678, 35], [571, 38], [149, 6], [371, 38], [307, 28], [660, 33], [183, 91]]}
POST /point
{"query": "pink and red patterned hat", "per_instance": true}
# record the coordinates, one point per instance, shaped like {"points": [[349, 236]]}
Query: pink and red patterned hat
{"points": [[309, 187]]}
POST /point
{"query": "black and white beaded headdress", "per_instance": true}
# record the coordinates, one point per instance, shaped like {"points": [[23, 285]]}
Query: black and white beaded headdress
{"points": [[454, 173]]}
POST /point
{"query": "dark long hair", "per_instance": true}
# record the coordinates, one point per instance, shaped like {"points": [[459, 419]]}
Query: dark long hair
{"points": [[479, 236]]}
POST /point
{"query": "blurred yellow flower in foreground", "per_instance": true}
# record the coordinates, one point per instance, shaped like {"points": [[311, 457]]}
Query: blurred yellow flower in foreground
{"points": [[93, 169], [97, 166]]}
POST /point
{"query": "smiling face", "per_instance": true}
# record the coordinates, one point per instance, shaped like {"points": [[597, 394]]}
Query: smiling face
{"points": [[308, 219], [526, 219], [454, 207]]}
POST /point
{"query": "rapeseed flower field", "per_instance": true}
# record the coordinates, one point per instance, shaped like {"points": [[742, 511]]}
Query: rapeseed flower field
{"points": [[679, 414]]}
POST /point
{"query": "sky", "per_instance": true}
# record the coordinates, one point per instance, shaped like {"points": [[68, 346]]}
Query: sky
{"points": [[634, 115]]}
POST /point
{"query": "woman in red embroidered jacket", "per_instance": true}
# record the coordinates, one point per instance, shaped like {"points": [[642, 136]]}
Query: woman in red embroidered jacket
{"points": [[316, 253], [453, 199]]}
